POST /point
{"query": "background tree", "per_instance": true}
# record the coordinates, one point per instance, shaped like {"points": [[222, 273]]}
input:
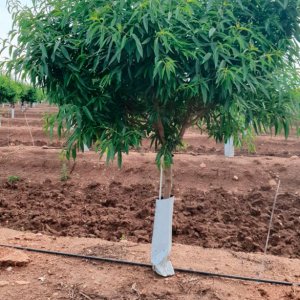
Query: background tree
{"points": [[124, 70], [29, 95], [9, 90]]}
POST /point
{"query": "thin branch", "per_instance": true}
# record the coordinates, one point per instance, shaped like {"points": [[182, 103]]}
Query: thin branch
{"points": [[191, 119], [189, 123]]}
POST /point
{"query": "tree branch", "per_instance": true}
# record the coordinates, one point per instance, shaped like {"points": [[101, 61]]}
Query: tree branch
{"points": [[189, 122]]}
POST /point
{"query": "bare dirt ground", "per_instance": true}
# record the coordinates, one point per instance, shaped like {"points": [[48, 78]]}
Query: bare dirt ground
{"points": [[222, 205], [55, 277]]}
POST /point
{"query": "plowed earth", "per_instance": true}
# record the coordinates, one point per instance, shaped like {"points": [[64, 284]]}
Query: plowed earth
{"points": [[213, 219]]}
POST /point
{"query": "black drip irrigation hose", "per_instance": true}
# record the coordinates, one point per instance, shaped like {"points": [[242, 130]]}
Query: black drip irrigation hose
{"points": [[138, 264]]}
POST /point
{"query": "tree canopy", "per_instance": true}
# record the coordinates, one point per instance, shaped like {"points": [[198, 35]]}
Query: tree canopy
{"points": [[30, 95], [124, 70], [11, 91]]}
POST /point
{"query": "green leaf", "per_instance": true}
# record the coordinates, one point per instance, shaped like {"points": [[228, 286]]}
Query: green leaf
{"points": [[156, 48], [203, 92], [123, 43], [74, 153], [211, 32], [57, 43], [87, 113], [157, 68], [138, 44], [44, 51], [145, 23], [206, 57], [65, 53]]}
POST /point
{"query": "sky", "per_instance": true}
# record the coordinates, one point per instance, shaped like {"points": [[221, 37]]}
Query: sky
{"points": [[6, 21]]}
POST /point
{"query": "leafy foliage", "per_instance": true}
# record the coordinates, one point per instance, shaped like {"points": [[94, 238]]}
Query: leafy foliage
{"points": [[29, 95], [12, 91], [124, 70], [9, 90]]}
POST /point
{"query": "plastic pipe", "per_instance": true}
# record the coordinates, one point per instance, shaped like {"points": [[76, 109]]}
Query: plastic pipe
{"points": [[132, 263]]}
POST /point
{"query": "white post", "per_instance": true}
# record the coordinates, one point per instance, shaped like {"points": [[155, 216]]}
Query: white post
{"points": [[229, 148], [12, 113], [162, 237]]}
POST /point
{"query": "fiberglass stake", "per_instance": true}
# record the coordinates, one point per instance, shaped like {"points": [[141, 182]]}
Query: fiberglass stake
{"points": [[271, 219]]}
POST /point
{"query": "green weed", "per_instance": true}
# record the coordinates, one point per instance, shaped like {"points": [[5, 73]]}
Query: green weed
{"points": [[13, 179]]}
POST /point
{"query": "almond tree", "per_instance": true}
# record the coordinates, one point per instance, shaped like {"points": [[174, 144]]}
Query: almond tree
{"points": [[29, 95], [8, 90], [124, 70]]}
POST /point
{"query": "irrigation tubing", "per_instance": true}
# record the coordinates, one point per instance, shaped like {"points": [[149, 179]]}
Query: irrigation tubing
{"points": [[138, 264]]}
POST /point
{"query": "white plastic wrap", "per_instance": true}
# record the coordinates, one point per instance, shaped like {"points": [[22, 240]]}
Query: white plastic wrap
{"points": [[229, 148], [162, 237]]}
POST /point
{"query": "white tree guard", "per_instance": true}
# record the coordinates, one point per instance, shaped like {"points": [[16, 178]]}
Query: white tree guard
{"points": [[85, 148], [229, 148], [162, 237], [12, 113]]}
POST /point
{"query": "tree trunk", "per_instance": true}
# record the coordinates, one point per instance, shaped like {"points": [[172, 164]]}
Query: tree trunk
{"points": [[167, 182]]}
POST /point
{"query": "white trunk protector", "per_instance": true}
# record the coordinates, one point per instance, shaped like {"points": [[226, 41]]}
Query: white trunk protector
{"points": [[229, 148], [162, 237]]}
